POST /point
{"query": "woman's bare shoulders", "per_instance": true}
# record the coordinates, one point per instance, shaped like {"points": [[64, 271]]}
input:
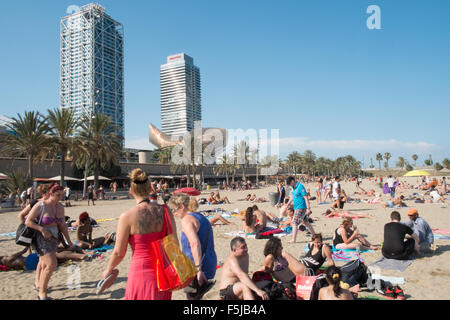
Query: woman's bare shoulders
{"points": [[144, 219]]}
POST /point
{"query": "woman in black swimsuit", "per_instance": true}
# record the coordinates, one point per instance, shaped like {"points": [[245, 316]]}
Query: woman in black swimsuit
{"points": [[346, 234], [313, 260]]}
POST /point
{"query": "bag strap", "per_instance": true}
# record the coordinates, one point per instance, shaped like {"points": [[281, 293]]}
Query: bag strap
{"points": [[168, 223], [42, 212]]}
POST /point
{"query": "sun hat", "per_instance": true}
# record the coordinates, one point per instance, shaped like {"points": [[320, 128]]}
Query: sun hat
{"points": [[412, 211]]}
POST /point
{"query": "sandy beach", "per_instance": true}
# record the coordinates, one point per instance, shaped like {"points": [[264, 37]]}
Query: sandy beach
{"points": [[428, 277]]}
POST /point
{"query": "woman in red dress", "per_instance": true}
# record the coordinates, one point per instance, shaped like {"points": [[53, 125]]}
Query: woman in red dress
{"points": [[140, 226]]}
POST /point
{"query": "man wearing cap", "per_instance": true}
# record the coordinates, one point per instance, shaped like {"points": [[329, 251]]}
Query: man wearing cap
{"points": [[421, 229]]}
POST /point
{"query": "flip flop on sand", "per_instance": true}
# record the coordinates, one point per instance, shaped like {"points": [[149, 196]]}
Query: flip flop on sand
{"points": [[104, 284]]}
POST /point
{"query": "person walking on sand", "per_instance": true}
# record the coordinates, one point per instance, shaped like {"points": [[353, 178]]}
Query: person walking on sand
{"points": [[47, 237], [197, 240], [299, 197], [140, 226], [90, 191]]}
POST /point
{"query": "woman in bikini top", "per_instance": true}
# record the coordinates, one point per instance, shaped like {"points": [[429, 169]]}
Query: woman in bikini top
{"points": [[275, 263]]}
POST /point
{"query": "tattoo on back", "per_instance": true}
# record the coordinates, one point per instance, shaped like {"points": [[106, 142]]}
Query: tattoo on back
{"points": [[150, 218]]}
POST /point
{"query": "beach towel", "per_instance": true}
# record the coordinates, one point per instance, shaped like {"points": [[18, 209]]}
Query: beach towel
{"points": [[107, 219], [242, 234], [345, 256], [345, 214], [103, 248], [306, 249], [324, 203], [441, 231], [8, 234], [392, 280], [392, 264], [4, 268], [441, 237]]}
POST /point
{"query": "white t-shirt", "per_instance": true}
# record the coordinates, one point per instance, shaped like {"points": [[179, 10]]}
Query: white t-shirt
{"points": [[336, 189], [67, 192], [435, 195], [390, 182]]}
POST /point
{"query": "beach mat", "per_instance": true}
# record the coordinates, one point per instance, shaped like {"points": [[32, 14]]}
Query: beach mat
{"points": [[103, 248], [441, 237], [392, 264], [392, 280], [8, 234], [240, 233], [441, 231], [106, 219], [306, 249]]}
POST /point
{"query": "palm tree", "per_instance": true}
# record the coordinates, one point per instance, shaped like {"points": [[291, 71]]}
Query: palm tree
{"points": [[62, 124], [446, 163], [242, 151], [29, 138], [293, 162], [387, 156], [309, 159], [101, 141], [401, 162], [16, 181], [223, 168], [415, 157], [379, 158]]}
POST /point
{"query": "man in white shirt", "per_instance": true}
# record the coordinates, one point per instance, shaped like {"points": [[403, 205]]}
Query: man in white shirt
{"points": [[390, 182], [436, 197], [337, 189]]}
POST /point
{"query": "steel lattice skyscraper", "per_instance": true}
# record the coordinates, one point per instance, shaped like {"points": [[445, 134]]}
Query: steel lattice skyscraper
{"points": [[180, 95], [91, 78]]}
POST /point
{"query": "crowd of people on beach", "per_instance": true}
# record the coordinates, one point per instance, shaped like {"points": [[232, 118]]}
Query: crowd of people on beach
{"points": [[147, 222]]}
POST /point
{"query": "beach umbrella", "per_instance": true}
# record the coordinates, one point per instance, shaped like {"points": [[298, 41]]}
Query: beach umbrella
{"points": [[188, 191], [417, 173], [58, 178], [99, 178]]}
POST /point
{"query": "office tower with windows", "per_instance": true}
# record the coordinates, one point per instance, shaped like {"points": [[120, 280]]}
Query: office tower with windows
{"points": [[91, 66], [180, 95]]}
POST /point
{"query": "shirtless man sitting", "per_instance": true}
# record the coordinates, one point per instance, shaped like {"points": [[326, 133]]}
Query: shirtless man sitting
{"points": [[235, 284], [212, 199], [221, 200]]}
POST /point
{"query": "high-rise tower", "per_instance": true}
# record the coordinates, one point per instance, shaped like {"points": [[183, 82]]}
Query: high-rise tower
{"points": [[91, 75], [180, 95]]}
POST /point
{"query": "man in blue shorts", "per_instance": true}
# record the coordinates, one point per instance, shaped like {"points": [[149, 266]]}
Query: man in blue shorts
{"points": [[302, 210]]}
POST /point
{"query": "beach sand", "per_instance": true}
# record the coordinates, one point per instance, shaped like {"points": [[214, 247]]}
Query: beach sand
{"points": [[426, 278]]}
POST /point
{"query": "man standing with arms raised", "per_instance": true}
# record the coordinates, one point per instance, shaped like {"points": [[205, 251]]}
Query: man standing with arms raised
{"points": [[302, 210]]}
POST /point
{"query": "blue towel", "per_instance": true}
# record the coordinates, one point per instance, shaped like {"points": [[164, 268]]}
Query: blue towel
{"points": [[334, 249], [8, 234], [103, 248]]}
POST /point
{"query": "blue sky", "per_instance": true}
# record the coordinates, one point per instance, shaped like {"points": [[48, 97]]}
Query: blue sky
{"points": [[311, 69]]}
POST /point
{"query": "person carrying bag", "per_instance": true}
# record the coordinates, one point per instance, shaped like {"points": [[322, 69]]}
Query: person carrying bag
{"points": [[26, 235]]}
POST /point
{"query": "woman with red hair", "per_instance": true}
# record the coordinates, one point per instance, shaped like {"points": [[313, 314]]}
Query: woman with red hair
{"points": [[48, 220], [84, 234]]}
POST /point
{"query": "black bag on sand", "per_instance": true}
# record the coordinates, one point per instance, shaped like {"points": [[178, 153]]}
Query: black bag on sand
{"points": [[355, 272], [25, 235]]}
